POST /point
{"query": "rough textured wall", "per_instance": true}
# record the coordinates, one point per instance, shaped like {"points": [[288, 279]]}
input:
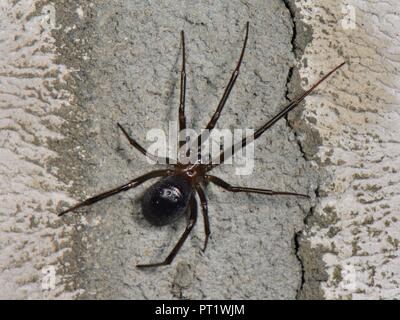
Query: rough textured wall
{"points": [[354, 226], [32, 91], [70, 70], [128, 57]]}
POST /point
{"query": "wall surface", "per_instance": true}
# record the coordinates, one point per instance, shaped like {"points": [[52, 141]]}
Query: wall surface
{"points": [[354, 227], [70, 70], [32, 238]]}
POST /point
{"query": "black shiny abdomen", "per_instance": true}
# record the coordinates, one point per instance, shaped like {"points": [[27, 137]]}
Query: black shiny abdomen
{"points": [[167, 200]]}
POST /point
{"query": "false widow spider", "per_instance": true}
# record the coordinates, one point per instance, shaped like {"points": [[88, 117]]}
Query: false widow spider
{"points": [[175, 194]]}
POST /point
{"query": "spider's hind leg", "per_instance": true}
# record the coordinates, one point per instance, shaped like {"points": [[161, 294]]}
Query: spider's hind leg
{"points": [[125, 187], [204, 207], [182, 239]]}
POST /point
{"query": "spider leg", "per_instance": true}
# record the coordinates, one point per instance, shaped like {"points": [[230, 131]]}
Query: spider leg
{"points": [[182, 239], [230, 85], [227, 186], [137, 146], [131, 184], [234, 148], [182, 118], [211, 124], [204, 206]]}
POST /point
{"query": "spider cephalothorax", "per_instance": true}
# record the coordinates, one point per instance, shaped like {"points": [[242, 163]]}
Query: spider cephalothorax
{"points": [[174, 195]]}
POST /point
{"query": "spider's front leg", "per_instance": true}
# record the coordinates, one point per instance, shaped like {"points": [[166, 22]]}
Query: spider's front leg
{"points": [[138, 147], [182, 98]]}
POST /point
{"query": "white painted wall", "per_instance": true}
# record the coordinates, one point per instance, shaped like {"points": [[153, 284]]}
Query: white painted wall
{"points": [[32, 240], [358, 118]]}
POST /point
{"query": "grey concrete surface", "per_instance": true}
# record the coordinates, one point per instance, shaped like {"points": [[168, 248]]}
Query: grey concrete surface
{"points": [[128, 57]]}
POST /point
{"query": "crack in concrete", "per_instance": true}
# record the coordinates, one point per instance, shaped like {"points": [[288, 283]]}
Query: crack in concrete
{"points": [[290, 88], [289, 4]]}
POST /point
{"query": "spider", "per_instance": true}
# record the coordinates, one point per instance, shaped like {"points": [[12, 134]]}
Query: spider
{"points": [[174, 195]]}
